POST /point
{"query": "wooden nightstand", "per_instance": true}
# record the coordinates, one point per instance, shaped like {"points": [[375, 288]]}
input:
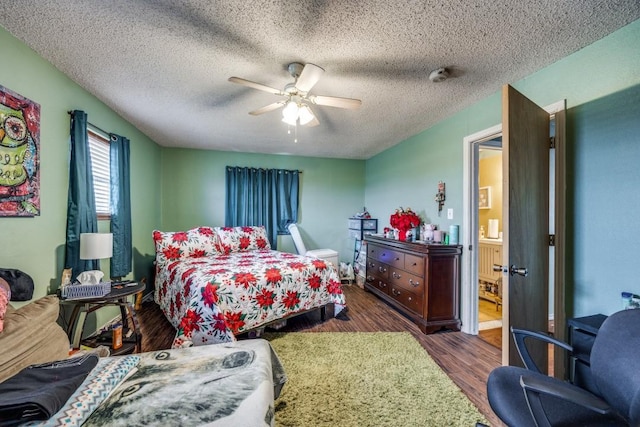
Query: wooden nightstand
{"points": [[131, 342]]}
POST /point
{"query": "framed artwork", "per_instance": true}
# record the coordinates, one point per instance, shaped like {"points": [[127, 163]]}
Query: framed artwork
{"points": [[19, 155], [484, 198]]}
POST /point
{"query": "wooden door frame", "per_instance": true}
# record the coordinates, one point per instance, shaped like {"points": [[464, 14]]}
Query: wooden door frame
{"points": [[469, 227]]}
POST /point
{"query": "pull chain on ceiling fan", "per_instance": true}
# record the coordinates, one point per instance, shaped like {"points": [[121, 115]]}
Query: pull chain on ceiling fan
{"points": [[297, 98]]}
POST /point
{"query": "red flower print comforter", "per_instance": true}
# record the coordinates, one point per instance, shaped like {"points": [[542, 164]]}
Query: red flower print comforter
{"points": [[212, 299]]}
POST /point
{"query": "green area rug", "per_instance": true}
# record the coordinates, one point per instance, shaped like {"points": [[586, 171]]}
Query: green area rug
{"points": [[365, 379]]}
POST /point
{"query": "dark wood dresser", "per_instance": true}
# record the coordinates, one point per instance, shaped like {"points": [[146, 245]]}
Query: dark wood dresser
{"points": [[421, 280]]}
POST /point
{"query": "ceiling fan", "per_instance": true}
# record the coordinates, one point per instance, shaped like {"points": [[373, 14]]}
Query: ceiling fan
{"points": [[297, 99]]}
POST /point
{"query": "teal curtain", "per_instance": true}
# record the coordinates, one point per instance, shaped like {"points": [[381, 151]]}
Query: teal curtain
{"points": [[120, 206], [81, 204], [266, 197]]}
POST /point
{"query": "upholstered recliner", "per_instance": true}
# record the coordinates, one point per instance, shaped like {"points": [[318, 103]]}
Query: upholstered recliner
{"points": [[31, 335], [525, 397]]}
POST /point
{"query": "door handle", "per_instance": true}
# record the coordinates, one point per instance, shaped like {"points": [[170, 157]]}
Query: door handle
{"points": [[500, 268], [522, 271], [513, 270]]}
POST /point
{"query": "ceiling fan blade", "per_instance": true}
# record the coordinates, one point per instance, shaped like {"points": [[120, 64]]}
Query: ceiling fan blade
{"points": [[267, 108], [255, 85], [334, 101], [313, 122], [309, 76]]}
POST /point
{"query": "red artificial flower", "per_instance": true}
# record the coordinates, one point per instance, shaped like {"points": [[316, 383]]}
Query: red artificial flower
{"points": [[404, 220]]}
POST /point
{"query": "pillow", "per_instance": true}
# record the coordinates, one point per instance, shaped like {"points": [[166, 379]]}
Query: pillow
{"points": [[195, 243], [5, 297], [242, 239]]}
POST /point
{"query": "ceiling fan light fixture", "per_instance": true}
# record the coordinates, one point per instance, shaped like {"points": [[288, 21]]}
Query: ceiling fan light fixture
{"points": [[290, 113], [305, 115]]}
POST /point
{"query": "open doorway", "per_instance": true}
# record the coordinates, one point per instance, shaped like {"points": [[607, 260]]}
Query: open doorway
{"points": [[489, 212], [471, 223]]}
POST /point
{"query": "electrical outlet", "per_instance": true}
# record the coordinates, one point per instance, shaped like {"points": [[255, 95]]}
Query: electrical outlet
{"points": [[449, 213]]}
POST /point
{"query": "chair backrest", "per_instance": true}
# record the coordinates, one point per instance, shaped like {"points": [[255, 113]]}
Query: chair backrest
{"points": [[297, 239], [615, 363]]}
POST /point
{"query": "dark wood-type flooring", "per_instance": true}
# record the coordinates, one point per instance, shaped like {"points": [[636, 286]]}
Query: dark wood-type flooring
{"points": [[467, 359]]}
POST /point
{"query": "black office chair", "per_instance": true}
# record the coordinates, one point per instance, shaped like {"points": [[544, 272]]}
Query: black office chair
{"points": [[525, 397]]}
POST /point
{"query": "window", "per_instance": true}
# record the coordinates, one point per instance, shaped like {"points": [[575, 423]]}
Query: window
{"points": [[100, 167]]}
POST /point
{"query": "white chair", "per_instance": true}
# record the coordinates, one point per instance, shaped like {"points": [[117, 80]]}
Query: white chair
{"points": [[328, 255]]}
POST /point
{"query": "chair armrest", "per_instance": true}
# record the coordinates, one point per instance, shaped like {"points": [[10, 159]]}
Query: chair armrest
{"points": [[519, 336], [534, 386]]}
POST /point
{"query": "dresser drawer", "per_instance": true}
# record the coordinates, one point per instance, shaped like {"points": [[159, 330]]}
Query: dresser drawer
{"points": [[363, 224], [414, 264], [377, 269], [379, 284], [408, 299], [405, 280], [386, 255]]}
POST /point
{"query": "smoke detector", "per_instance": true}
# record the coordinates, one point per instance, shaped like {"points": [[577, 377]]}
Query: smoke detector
{"points": [[439, 75]]}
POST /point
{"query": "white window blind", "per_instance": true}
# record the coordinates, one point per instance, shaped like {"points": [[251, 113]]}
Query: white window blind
{"points": [[100, 166]]}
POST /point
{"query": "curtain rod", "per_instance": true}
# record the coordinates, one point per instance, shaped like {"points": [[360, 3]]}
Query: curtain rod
{"points": [[94, 126], [251, 167]]}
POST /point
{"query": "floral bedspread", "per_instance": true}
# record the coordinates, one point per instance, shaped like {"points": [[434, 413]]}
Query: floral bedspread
{"points": [[212, 299]]}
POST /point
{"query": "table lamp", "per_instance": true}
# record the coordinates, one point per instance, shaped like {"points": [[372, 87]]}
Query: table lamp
{"points": [[94, 246]]}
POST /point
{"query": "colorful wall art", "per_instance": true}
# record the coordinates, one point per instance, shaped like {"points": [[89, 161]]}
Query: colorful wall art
{"points": [[19, 155]]}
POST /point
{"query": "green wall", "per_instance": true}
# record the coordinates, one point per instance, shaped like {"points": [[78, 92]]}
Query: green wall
{"points": [[331, 190], [175, 189], [408, 174], [36, 245]]}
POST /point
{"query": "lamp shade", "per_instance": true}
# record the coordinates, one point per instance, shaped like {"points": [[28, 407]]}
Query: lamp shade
{"points": [[96, 245]]}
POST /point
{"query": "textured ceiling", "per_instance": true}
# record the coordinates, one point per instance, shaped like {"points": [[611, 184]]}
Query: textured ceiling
{"points": [[164, 65]]}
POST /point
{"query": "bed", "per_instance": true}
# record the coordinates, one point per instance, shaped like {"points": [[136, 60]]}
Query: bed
{"points": [[215, 283]]}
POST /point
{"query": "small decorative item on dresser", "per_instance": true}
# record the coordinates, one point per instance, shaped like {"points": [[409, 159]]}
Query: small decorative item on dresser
{"points": [[404, 220]]}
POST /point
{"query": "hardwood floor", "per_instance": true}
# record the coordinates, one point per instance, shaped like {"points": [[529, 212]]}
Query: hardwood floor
{"points": [[467, 359]]}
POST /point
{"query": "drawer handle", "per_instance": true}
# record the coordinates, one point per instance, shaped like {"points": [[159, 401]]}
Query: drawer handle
{"points": [[397, 259], [412, 283], [382, 269], [372, 264], [395, 275], [409, 299], [369, 278], [396, 293], [382, 284], [415, 264]]}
